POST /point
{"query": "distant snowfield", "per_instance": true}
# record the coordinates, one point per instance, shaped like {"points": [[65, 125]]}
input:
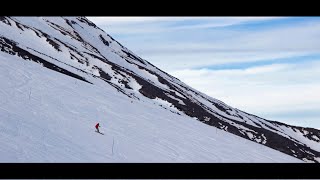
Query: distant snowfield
{"points": [[46, 116]]}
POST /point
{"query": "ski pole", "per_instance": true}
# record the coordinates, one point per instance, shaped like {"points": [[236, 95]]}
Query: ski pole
{"points": [[112, 144]]}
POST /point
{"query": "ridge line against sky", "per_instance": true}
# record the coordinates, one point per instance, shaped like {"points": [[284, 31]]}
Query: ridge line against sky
{"points": [[267, 66]]}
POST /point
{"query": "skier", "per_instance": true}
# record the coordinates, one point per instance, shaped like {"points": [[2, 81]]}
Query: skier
{"points": [[97, 127]]}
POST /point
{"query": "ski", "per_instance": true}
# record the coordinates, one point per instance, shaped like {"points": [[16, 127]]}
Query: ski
{"points": [[99, 132]]}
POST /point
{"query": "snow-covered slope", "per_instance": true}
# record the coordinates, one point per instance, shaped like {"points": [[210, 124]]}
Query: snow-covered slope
{"points": [[48, 114], [48, 117]]}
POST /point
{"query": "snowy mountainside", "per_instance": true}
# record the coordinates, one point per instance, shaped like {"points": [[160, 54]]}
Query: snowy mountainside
{"points": [[46, 116], [76, 47]]}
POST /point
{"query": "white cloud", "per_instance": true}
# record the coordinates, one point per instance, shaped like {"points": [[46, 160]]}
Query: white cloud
{"points": [[180, 61], [267, 69], [273, 91], [195, 49], [288, 39], [138, 19], [138, 25], [265, 91], [293, 38]]}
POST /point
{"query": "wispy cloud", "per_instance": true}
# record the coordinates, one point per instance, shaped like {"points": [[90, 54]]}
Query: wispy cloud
{"points": [[267, 66], [265, 90], [134, 25], [220, 46], [114, 20], [290, 39]]}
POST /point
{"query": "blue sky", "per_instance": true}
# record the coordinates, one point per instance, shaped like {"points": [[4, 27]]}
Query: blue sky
{"points": [[267, 66]]}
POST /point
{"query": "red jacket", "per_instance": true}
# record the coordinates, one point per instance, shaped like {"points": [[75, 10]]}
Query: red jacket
{"points": [[97, 125]]}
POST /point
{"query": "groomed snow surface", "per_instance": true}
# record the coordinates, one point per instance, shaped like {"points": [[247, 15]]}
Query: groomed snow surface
{"points": [[46, 116]]}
